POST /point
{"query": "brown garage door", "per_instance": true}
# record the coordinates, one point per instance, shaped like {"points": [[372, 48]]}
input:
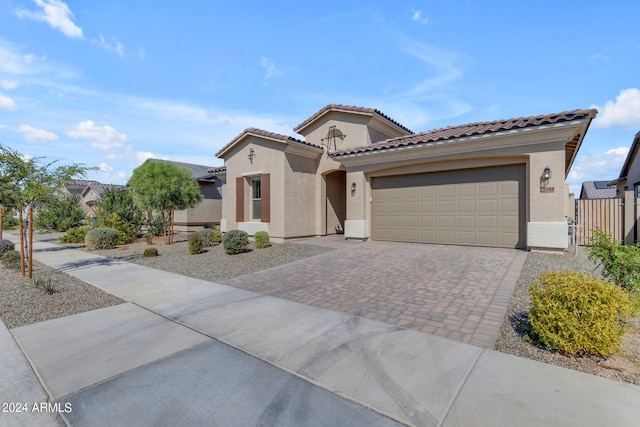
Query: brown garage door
{"points": [[478, 207]]}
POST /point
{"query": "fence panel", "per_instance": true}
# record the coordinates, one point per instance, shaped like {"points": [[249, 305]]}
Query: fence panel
{"points": [[602, 214]]}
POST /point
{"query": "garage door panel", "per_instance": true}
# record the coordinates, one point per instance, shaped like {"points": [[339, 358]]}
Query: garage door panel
{"points": [[483, 207]]}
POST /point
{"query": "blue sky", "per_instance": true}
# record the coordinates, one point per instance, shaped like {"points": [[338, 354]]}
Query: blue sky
{"points": [[112, 83]]}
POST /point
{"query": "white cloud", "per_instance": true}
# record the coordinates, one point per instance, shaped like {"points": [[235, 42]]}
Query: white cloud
{"points": [[112, 45], [596, 167], [54, 12], [32, 134], [101, 137], [598, 57], [110, 174], [623, 112], [6, 103], [418, 17], [142, 156], [444, 65], [141, 54], [8, 84], [270, 68]]}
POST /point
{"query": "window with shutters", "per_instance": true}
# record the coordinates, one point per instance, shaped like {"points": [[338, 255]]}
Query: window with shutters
{"points": [[256, 199]]}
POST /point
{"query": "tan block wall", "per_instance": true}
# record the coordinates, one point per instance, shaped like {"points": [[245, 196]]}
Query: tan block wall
{"points": [[301, 201]]}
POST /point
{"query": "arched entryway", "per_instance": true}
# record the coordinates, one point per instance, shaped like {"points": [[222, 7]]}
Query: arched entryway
{"points": [[336, 202]]}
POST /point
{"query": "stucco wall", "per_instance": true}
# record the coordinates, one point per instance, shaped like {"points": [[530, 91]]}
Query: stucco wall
{"points": [[301, 199]]}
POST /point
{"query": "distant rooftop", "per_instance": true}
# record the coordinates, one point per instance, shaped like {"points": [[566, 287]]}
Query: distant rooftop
{"points": [[597, 190]]}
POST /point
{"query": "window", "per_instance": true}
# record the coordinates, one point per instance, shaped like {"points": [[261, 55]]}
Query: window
{"points": [[256, 200]]}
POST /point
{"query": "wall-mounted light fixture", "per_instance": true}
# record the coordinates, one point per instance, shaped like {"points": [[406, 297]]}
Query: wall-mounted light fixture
{"points": [[251, 155], [544, 179], [353, 188]]}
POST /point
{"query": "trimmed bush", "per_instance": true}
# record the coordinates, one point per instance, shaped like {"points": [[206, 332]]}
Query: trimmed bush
{"points": [[196, 243], [235, 242], [620, 263], [262, 239], [101, 238], [217, 236], [575, 313], [11, 260], [150, 252], [60, 214], [207, 236], [75, 235], [6, 246]]}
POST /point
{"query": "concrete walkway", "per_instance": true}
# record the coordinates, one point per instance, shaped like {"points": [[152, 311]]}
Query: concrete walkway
{"points": [[190, 352]]}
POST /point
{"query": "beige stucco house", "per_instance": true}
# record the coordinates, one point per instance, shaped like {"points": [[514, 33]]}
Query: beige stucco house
{"points": [[90, 192], [628, 189], [358, 172]]}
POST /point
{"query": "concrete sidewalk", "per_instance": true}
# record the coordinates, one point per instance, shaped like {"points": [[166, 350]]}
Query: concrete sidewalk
{"points": [[171, 356]]}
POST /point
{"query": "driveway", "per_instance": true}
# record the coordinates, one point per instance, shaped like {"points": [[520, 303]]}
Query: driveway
{"points": [[458, 292]]}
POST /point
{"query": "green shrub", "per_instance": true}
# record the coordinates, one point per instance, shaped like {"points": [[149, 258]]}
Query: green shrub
{"points": [[6, 246], [45, 284], [235, 242], [101, 238], [75, 235], [8, 221], [117, 210], [11, 260], [60, 214], [127, 231], [196, 243], [156, 225], [207, 236], [217, 236], [620, 263], [150, 252], [576, 313], [262, 239]]}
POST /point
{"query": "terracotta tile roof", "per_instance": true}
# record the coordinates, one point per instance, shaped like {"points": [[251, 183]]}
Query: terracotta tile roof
{"points": [[351, 109], [100, 188], [77, 186], [198, 172], [597, 190], [471, 129], [218, 170], [266, 134]]}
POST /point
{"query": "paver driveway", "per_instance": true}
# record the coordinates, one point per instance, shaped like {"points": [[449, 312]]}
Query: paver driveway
{"points": [[458, 292]]}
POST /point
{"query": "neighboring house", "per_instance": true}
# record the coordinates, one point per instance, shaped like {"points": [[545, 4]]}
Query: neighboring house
{"points": [[90, 193], [209, 210], [597, 190], [628, 188], [359, 172]]}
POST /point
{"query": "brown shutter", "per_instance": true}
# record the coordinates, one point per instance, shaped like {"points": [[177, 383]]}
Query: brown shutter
{"points": [[239, 199], [265, 198]]}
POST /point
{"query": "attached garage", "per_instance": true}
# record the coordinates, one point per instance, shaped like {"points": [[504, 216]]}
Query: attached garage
{"points": [[479, 207]]}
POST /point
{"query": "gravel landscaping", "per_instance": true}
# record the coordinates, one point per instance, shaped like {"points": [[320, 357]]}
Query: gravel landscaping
{"points": [[623, 366], [22, 303], [213, 264]]}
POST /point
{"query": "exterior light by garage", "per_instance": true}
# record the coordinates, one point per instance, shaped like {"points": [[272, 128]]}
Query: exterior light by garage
{"points": [[546, 174], [353, 188]]}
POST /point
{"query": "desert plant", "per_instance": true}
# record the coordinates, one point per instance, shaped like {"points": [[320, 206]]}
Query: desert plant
{"points": [[216, 236], [148, 236], [44, 282], [150, 252], [235, 242], [127, 231], [196, 243], [75, 235], [117, 209], [6, 246], [262, 239], [11, 260], [155, 225], [60, 214], [207, 236], [620, 263], [576, 313], [101, 238]]}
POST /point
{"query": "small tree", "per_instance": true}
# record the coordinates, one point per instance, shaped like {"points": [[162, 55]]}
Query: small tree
{"points": [[164, 187], [24, 181]]}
